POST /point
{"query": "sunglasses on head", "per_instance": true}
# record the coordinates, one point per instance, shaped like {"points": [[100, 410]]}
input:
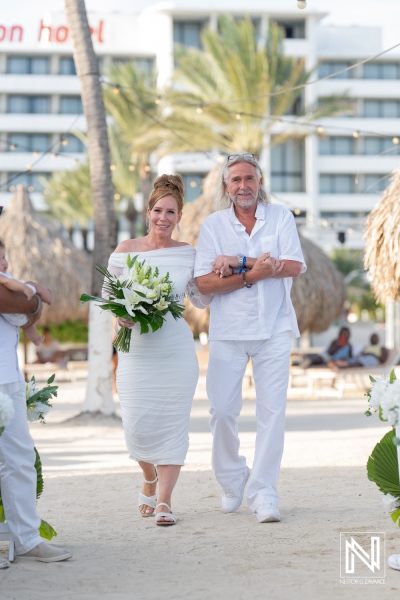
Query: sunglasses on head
{"points": [[245, 155]]}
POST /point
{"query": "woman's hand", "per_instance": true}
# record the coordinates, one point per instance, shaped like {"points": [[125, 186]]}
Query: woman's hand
{"points": [[223, 265], [264, 267], [125, 323]]}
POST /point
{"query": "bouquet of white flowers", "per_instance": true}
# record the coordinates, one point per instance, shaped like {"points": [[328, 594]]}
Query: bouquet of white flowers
{"points": [[140, 296], [6, 411], [383, 464], [38, 401]]}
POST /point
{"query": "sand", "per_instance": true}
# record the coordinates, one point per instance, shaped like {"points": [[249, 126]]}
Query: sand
{"points": [[90, 498]]}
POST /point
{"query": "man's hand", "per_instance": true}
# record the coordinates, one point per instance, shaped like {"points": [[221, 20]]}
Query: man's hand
{"points": [[264, 267]]}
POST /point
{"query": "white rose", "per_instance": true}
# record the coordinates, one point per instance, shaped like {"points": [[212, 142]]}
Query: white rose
{"points": [[390, 502], [37, 409], [377, 392]]}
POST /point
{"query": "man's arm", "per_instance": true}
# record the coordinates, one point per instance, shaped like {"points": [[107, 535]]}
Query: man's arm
{"points": [[16, 302], [263, 267], [223, 266]]}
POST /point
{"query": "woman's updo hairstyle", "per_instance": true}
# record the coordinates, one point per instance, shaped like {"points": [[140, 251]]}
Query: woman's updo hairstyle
{"points": [[168, 185]]}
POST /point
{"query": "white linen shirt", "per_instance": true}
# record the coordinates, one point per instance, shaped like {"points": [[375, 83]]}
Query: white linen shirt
{"points": [[265, 309], [9, 369]]}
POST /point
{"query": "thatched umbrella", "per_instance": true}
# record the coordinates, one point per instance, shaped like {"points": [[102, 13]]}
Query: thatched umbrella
{"points": [[37, 250], [382, 250], [318, 295]]}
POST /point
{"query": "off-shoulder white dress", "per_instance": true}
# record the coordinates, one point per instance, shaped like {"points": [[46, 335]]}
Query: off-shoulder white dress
{"points": [[157, 379]]}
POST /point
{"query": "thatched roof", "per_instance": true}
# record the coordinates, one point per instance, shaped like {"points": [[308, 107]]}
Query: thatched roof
{"points": [[317, 296], [382, 250], [37, 250]]}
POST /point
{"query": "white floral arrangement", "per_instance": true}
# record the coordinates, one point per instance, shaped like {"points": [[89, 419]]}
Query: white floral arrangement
{"points": [[140, 296], [6, 411], [383, 464], [38, 400]]}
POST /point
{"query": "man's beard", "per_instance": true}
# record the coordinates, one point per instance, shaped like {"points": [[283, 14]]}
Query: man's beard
{"points": [[243, 204]]}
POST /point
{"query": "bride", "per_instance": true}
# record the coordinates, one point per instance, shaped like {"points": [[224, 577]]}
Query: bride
{"points": [[157, 379]]}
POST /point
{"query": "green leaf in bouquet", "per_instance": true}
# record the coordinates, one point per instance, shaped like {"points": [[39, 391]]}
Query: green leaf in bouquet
{"points": [[87, 298], [392, 376], [395, 517], [46, 531], [2, 513], [372, 379], [130, 261], [383, 467], [39, 475], [51, 379], [144, 325]]}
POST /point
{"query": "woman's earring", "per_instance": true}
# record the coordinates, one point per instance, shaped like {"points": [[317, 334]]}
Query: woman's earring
{"points": [[179, 229]]}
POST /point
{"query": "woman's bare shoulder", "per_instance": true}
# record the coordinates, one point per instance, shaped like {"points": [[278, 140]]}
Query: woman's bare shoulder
{"points": [[135, 245]]}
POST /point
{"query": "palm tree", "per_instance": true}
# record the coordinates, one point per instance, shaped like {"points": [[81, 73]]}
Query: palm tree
{"points": [[99, 388], [234, 67], [132, 101]]}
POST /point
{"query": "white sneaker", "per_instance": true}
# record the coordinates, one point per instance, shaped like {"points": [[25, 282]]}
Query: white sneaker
{"points": [[4, 563], [394, 561], [267, 513], [45, 552], [231, 502]]}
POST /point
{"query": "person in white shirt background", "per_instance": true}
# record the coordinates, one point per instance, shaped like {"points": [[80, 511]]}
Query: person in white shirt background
{"points": [[248, 252]]}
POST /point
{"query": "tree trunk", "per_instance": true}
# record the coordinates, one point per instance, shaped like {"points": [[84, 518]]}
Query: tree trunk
{"points": [[146, 187], [99, 387]]}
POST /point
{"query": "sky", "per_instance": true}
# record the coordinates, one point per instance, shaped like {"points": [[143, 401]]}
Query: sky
{"points": [[383, 13]]}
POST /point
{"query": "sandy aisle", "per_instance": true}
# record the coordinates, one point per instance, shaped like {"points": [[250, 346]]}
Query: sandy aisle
{"points": [[90, 498]]}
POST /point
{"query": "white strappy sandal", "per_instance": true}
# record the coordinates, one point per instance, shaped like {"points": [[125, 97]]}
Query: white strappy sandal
{"points": [[148, 500], [168, 515]]}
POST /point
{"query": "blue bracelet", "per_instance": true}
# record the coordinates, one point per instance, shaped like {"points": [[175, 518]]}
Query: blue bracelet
{"points": [[243, 265]]}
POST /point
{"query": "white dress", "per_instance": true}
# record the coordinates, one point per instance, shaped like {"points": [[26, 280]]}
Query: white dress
{"points": [[157, 379]]}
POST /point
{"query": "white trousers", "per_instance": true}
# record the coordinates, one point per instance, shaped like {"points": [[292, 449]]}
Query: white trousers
{"points": [[226, 368], [18, 473]]}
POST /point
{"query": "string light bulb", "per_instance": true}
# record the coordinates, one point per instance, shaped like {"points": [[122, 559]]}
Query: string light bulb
{"points": [[320, 129], [117, 197], [157, 100], [131, 167], [116, 90], [302, 4], [199, 110], [35, 154], [147, 168], [12, 147], [238, 116], [28, 167], [356, 134], [64, 142], [112, 167], [396, 140]]}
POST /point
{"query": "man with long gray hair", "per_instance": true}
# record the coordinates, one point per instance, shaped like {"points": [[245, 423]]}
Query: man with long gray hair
{"points": [[248, 252]]}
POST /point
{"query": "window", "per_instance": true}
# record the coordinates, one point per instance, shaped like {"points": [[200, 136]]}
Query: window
{"points": [[71, 105], [373, 184], [336, 184], [24, 65], [67, 66], [32, 181], [287, 167], [142, 64], [376, 145], [192, 182], [327, 68], [188, 33], [73, 144], [382, 109], [293, 29], [29, 142], [381, 71], [28, 104], [336, 145]]}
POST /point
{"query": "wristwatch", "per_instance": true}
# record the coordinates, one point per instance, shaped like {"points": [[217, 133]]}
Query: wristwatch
{"points": [[241, 259]]}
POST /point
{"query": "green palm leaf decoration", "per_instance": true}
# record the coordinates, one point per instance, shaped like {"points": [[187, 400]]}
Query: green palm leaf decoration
{"points": [[383, 469]]}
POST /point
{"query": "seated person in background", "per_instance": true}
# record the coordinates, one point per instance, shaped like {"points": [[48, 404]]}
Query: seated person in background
{"points": [[29, 289], [372, 355], [49, 351], [339, 348]]}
